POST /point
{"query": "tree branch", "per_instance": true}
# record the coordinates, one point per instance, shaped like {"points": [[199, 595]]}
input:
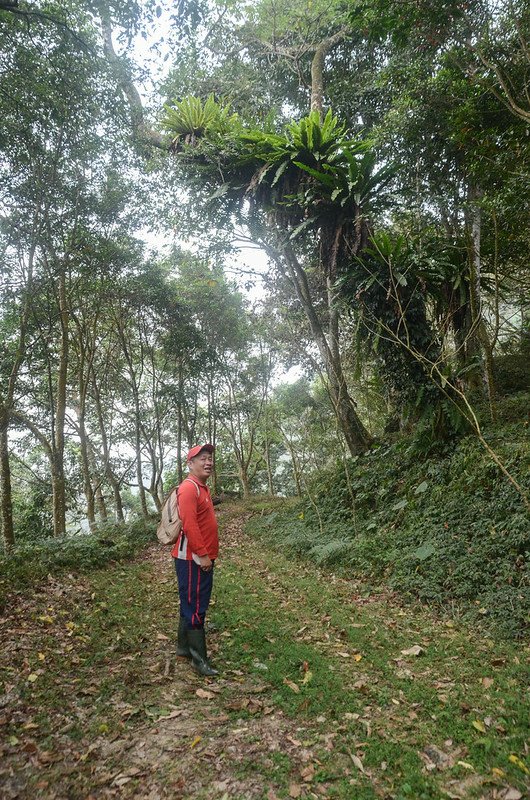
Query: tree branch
{"points": [[142, 130]]}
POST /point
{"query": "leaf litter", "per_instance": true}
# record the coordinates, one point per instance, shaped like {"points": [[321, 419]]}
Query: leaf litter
{"points": [[181, 746]]}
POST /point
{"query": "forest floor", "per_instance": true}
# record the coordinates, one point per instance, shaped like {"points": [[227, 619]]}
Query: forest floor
{"points": [[328, 687]]}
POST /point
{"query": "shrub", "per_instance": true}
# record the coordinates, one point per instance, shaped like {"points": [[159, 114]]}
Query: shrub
{"points": [[30, 562]]}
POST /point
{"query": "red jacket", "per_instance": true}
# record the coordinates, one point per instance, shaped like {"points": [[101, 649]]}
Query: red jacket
{"points": [[199, 524]]}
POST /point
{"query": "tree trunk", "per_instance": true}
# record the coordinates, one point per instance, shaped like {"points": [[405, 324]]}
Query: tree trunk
{"points": [[97, 488], [139, 475], [87, 478], [211, 432], [58, 494], [8, 533], [524, 341], [478, 331], [113, 481], [243, 479], [317, 78], [317, 68], [270, 480], [179, 424], [100, 502], [6, 497], [118, 504], [357, 437], [58, 479]]}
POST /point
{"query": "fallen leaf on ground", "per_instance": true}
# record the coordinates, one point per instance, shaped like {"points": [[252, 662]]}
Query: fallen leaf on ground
{"points": [[434, 758], [204, 694], [462, 789], [162, 637], [195, 742], [518, 763], [415, 650], [479, 725], [171, 715], [307, 676], [357, 762], [512, 794], [293, 686], [295, 790]]}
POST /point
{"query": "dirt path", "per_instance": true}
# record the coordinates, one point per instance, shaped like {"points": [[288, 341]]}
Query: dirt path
{"points": [[326, 690]]}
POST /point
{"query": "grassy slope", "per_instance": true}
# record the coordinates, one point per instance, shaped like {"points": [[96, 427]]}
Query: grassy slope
{"points": [[449, 529]]}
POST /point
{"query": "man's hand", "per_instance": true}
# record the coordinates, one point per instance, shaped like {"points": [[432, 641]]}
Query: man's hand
{"points": [[205, 563]]}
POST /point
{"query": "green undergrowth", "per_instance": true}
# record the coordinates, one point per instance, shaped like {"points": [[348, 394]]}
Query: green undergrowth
{"points": [[33, 561], [449, 529]]}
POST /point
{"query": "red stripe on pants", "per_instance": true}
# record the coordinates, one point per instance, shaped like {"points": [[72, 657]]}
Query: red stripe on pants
{"points": [[198, 592]]}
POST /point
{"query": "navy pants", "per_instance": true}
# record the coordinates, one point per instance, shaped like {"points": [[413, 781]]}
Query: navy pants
{"points": [[195, 589]]}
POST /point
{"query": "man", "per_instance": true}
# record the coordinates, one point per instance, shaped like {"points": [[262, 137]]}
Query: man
{"points": [[194, 553]]}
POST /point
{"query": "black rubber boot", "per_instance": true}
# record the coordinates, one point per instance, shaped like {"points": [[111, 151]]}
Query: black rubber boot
{"points": [[183, 647], [199, 659]]}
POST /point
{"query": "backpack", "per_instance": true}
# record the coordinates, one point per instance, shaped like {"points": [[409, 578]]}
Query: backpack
{"points": [[170, 525]]}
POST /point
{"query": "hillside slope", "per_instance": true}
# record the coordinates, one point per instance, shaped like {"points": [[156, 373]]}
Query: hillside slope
{"points": [[447, 527]]}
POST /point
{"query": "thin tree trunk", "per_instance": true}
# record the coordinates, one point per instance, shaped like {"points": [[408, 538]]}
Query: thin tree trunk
{"points": [[179, 423], [268, 465], [85, 468], [294, 463], [97, 490], [100, 502], [118, 503], [357, 437], [99, 497], [478, 326], [212, 433], [113, 481], [58, 494], [58, 478], [135, 383], [8, 533], [243, 479], [317, 78], [317, 69], [138, 451], [270, 480], [6, 499]]}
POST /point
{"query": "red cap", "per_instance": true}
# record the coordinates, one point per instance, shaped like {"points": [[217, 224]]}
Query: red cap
{"points": [[198, 449]]}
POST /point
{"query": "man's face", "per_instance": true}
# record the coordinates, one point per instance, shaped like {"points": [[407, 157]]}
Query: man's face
{"points": [[201, 466]]}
